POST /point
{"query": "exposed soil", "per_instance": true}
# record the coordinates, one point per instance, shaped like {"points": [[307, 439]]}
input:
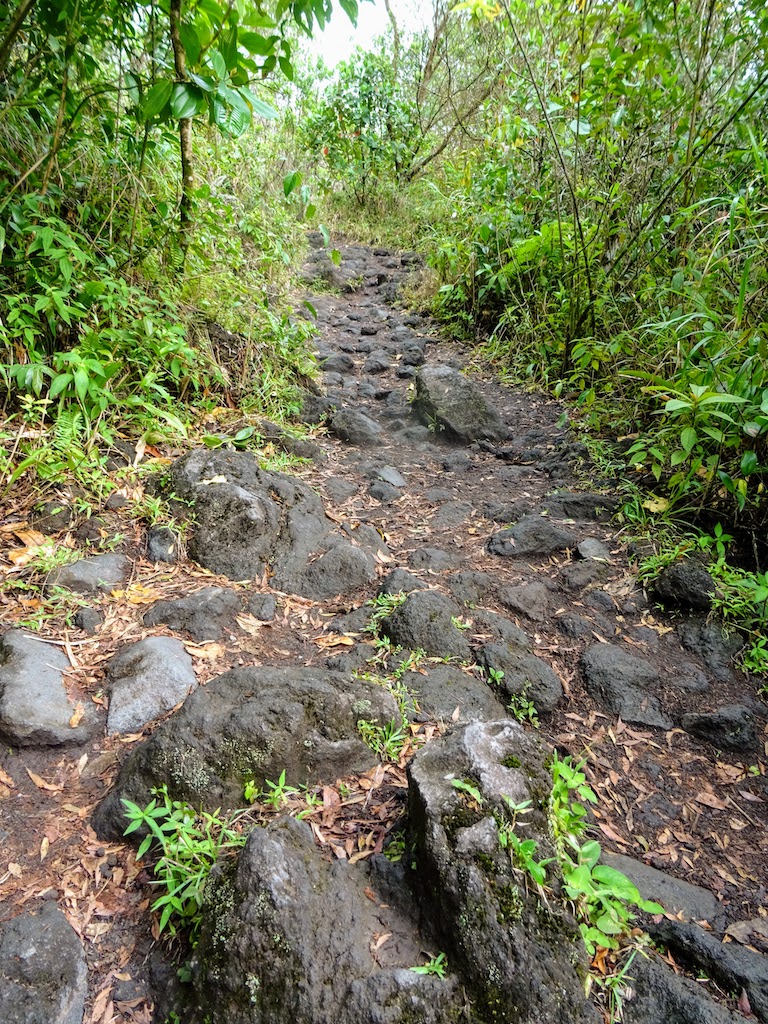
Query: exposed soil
{"points": [[665, 797]]}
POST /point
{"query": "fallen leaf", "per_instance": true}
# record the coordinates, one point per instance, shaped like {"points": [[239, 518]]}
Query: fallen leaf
{"points": [[52, 787], [710, 800], [334, 640], [743, 1004], [381, 940], [15, 870], [77, 716], [44, 847], [7, 780], [751, 797]]}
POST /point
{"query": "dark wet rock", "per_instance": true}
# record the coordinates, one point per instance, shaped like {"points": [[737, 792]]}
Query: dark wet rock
{"points": [[690, 677], [729, 728], [35, 710], [508, 512], [90, 575], [426, 621], [659, 996], [92, 531], [437, 494], [370, 330], [587, 573], [456, 462], [444, 690], [434, 559], [471, 587], [340, 490], [388, 474], [247, 519], [685, 584], [250, 723], [43, 973], [525, 675], [146, 679], [732, 966], [451, 515], [354, 622], [262, 607], [530, 599], [601, 601], [337, 362], [162, 545], [417, 434], [89, 620], [355, 428], [447, 398], [531, 536], [591, 548], [288, 939], [413, 355], [518, 958], [499, 628], [580, 505], [51, 516], [384, 492], [675, 894], [400, 581], [315, 408], [405, 372], [377, 362], [620, 682], [716, 648], [574, 625], [205, 615]]}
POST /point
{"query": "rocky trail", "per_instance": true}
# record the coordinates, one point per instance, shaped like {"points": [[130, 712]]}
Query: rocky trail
{"points": [[441, 580]]}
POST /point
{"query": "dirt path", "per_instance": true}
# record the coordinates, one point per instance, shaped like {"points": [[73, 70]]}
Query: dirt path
{"points": [[674, 801]]}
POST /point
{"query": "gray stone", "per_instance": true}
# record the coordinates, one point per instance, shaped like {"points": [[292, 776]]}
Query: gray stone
{"points": [[413, 354], [88, 619], [290, 939], [338, 490], [205, 615], [355, 428], [452, 514], [590, 548], [90, 575], [444, 690], [262, 607], [685, 584], [731, 727], [425, 621], [732, 966], [716, 648], [471, 587], [338, 362], [659, 996], [496, 627], [620, 682], [446, 398], [580, 505], [384, 492], [43, 973], [587, 573], [248, 519], [51, 516], [530, 600], [434, 559], [400, 581], [675, 894], [517, 957], [146, 679], [377, 362], [525, 675], [34, 707], [531, 536], [250, 724], [389, 475], [162, 545]]}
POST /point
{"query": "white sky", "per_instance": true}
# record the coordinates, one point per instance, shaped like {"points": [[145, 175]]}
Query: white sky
{"points": [[340, 38]]}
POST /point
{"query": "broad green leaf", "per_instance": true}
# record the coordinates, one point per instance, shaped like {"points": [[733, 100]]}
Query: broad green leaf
{"points": [[749, 463], [350, 9], [186, 100], [688, 438], [580, 127], [259, 107], [218, 64], [190, 40], [157, 98], [81, 384], [617, 883], [290, 181], [335, 256]]}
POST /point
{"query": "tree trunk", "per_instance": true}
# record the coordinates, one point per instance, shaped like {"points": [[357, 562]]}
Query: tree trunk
{"points": [[185, 134]]}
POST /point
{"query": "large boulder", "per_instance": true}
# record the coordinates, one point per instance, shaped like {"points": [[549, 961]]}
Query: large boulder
{"points": [[531, 536], [43, 974], [292, 938], [250, 723], [520, 958], [35, 709], [248, 519], [446, 399], [205, 615], [427, 620], [523, 675], [656, 995]]}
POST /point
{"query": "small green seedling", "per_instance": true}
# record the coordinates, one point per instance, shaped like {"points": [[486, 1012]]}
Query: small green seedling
{"points": [[464, 786], [436, 965]]}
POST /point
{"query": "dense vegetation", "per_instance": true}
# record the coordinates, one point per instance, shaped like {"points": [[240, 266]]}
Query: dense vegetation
{"points": [[588, 183]]}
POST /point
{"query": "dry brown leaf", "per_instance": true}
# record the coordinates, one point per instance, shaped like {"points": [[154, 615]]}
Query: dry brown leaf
{"points": [[710, 800], [51, 787], [77, 716], [751, 797], [15, 870], [7, 780], [249, 624], [334, 640], [380, 940], [744, 1004], [44, 847]]}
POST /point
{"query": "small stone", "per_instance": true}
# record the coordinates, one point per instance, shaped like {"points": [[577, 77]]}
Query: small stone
{"points": [[731, 727], [262, 607], [448, 399], [51, 517], [620, 681], [400, 581], [89, 575], [88, 619], [531, 536], [590, 548], [434, 559], [146, 679], [383, 492], [162, 545], [205, 615], [355, 428], [685, 584], [530, 600], [389, 475]]}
